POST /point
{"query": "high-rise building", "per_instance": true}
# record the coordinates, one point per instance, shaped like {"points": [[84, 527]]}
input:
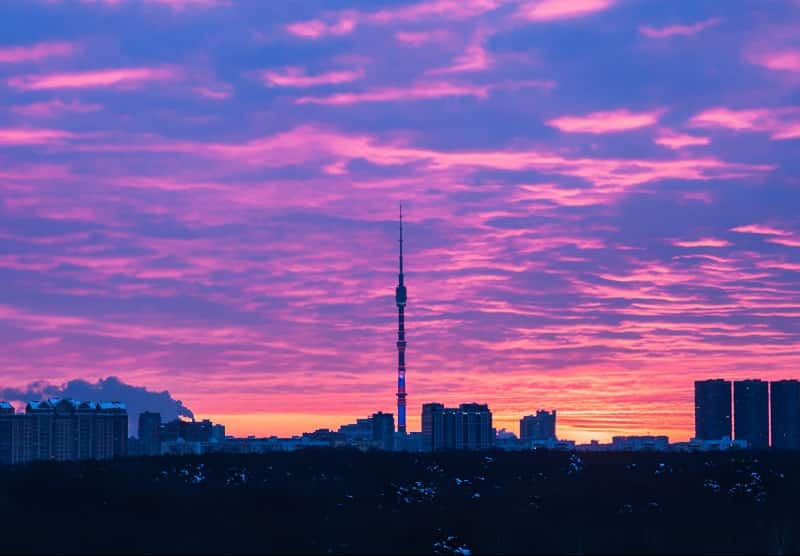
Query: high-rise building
{"points": [[785, 402], [712, 409], [6, 438], [401, 296], [432, 426], [63, 430], [383, 430], [476, 425], [467, 427], [541, 426], [150, 433], [751, 413]]}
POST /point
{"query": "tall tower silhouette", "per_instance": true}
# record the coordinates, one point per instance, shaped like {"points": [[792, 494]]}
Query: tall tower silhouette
{"points": [[400, 298]]}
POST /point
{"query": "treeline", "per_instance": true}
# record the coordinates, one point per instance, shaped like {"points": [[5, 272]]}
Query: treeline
{"points": [[343, 501]]}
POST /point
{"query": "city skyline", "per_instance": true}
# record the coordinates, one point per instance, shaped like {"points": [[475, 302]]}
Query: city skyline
{"points": [[200, 196]]}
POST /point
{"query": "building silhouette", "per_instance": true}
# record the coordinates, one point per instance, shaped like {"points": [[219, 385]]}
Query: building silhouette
{"points": [[785, 408], [751, 413], [6, 432], [712, 409], [63, 430], [150, 433], [375, 432], [191, 431], [639, 443], [401, 296], [541, 426], [383, 430], [432, 426], [468, 427]]}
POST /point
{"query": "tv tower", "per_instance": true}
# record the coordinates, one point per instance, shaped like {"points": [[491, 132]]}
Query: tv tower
{"points": [[400, 298]]}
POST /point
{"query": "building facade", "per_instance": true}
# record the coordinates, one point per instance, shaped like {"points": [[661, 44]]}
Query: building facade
{"points": [[751, 413], [785, 412], [541, 426], [712, 409], [383, 431], [150, 433], [63, 430], [467, 427]]}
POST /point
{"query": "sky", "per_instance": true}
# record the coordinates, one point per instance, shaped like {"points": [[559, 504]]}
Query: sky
{"points": [[601, 204]]}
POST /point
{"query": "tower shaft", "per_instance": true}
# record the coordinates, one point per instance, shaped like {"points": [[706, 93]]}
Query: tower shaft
{"points": [[400, 299]]}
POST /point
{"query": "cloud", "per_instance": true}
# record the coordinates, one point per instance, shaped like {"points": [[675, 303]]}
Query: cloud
{"points": [[136, 398], [704, 242], [415, 92], [421, 38], [474, 58], [36, 52], [177, 5], [317, 28], [782, 122], [296, 77], [217, 92], [32, 136], [90, 79], [346, 22], [54, 108], [677, 141], [605, 122], [760, 230], [788, 242], [779, 60], [678, 30], [553, 10]]}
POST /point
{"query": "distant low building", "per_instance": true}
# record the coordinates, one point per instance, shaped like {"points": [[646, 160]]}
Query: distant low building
{"points": [[640, 443], [721, 445], [541, 426]]}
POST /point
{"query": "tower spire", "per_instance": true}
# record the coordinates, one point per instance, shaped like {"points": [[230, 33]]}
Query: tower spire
{"points": [[400, 296], [401, 243]]}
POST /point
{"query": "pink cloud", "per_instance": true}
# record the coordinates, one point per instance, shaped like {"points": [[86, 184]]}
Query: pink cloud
{"points": [[220, 92], [173, 4], [678, 30], [781, 60], [296, 77], [552, 10], [317, 28], [760, 230], [474, 58], [345, 23], [605, 122], [704, 242], [420, 38], [53, 108], [782, 123], [419, 91], [313, 143], [36, 52], [788, 131], [789, 242], [90, 79], [32, 136], [679, 141], [447, 9]]}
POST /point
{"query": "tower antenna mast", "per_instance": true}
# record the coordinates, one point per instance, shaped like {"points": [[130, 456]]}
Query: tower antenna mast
{"points": [[400, 298]]}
